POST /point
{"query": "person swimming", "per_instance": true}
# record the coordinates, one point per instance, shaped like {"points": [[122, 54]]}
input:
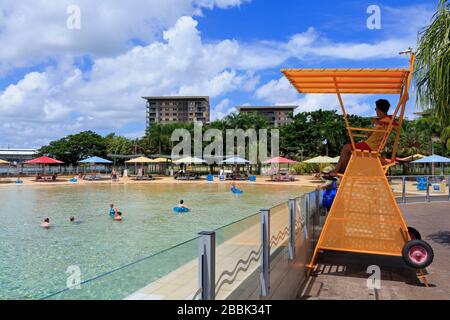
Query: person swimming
{"points": [[46, 223], [118, 216], [72, 219]]}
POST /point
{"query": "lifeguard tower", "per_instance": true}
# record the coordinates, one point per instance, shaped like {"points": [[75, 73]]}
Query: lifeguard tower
{"points": [[365, 217]]}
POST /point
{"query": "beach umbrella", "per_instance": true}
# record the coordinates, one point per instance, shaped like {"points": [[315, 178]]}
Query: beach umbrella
{"points": [[141, 160], [44, 161], [235, 160], [190, 160], [280, 160], [411, 158], [433, 159], [95, 160], [335, 159], [161, 160], [320, 159]]}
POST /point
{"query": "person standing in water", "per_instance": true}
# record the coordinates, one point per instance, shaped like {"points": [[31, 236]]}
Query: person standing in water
{"points": [[112, 210]]}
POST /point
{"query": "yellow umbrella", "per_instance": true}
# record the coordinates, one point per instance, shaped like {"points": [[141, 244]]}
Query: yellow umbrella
{"points": [[140, 160], [159, 160], [320, 160]]}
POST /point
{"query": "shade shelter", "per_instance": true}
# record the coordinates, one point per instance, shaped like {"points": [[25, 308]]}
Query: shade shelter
{"points": [[93, 161], [433, 160], [43, 161], [140, 160], [279, 161], [3, 162], [189, 160], [365, 217], [161, 164], [236, 161]]}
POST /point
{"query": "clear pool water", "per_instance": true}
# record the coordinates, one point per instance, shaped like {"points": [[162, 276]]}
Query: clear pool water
{"points": [[34, 260]]}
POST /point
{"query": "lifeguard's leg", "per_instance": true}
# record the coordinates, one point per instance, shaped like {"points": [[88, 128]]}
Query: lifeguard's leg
{"points": [[344, 159]]}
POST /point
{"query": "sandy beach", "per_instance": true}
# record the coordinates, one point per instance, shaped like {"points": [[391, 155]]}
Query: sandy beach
{"points": [[300, 181]]}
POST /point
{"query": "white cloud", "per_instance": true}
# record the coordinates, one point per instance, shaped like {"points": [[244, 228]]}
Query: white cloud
{"points": [[63, 99], [32, 31], [110, 97], [221, 110]]}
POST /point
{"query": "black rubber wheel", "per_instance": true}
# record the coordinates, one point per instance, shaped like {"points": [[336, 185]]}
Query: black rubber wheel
{"points": [[414, 234], [417, 254]]}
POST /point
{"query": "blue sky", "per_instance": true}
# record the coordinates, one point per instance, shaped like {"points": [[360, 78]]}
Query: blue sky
{"points": [[56, 81]]}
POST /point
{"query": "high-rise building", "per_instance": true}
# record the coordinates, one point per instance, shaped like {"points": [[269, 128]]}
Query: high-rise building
{"points": [[276, 115], [177, 109]]}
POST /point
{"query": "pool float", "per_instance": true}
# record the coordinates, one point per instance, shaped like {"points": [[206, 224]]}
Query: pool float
{"points": [[73, 180], [180, 210], [236, 190]]}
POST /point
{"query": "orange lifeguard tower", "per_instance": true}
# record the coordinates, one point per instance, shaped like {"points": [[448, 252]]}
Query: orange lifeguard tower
{"points": [[365, 217]]}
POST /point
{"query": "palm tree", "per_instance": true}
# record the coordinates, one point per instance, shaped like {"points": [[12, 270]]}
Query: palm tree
{"points": [[432, 65]]}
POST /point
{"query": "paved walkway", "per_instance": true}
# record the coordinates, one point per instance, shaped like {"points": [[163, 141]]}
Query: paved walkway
{"points": [[343, 276]]}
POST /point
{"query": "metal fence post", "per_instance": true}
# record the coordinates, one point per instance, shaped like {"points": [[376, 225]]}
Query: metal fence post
{"points": [[448, 182], [403, 189], [207, 265], [428, 189], [292, 203], [265, 261]]}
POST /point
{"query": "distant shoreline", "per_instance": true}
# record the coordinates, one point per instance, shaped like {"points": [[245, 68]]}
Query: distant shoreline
{"points": [[301, 181]]}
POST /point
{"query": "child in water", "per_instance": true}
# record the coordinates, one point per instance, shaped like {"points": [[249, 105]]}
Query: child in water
{"points": [[112, 210], [182, 206], [118, 216], [46, 223]]}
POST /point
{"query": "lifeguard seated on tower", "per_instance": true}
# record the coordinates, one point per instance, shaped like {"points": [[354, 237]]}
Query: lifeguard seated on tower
{"points": [[374, 138]]}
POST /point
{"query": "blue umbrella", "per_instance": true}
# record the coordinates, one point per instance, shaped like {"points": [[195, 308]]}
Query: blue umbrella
{"points": [[235, 160], [95, 160], [433, 159]]}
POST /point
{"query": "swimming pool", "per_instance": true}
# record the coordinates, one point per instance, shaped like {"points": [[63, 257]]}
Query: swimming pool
{"points": [[34, 260]]}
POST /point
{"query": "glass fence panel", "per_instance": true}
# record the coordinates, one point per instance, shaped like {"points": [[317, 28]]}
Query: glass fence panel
{"points": [[169, 274], [279, 227], [238, 259]]}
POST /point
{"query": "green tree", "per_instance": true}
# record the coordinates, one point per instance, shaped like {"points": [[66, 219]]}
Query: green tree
{"points": [[118, 145], [432, 67], [76, 147]]}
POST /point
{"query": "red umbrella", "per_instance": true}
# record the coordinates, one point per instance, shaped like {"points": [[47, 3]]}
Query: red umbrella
{"points": [[43, 161], [280, 160]]}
